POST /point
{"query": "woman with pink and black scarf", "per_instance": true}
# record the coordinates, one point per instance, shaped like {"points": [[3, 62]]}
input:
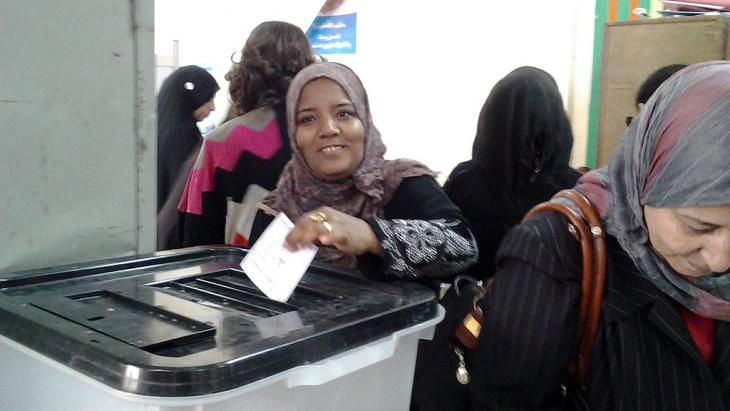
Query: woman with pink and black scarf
{"points": [[240, 161], [664, 339]]}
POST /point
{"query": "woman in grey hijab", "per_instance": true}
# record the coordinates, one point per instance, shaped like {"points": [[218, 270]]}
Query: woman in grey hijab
{"points": [[664, 340]]}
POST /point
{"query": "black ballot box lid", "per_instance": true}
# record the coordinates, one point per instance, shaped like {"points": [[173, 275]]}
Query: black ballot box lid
{"points": [[190, 322]]}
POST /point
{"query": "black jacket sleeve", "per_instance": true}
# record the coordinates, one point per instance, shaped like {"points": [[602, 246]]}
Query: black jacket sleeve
{"points": [[423, 234], [531, 309]]}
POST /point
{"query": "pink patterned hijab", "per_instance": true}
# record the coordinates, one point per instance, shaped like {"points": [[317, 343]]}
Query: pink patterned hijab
{"points": [[366, 192], [675, 154]]}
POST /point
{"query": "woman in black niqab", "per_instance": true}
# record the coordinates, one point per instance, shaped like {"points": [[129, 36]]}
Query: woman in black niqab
{"points": [[520, 158], [187, 89]]}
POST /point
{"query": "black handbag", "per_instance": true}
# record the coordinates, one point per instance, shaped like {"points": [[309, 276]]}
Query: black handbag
{"points": [[441, 381], [435, 386]]}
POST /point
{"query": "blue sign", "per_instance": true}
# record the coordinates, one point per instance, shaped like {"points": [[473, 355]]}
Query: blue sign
{"points": [[333, 34]]}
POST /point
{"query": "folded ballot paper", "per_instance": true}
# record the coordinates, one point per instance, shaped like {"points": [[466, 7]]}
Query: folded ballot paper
{"points": [[275, 270]]}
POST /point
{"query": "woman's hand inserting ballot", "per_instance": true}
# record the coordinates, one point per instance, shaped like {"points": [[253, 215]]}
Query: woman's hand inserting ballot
{"points": [[328, 227]]}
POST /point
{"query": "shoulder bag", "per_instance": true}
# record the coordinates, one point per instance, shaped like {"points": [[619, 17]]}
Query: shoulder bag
{"points": [[585, 225]]}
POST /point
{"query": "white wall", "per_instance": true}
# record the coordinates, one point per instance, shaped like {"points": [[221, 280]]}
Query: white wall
{"points": [[77, 164], [427, 66]]}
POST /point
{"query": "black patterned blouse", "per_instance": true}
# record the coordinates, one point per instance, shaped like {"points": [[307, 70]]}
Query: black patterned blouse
{"points": [[423, 235]]}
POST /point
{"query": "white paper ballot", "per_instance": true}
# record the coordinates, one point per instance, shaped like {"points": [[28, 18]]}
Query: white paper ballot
{"points": [[275, 270]]}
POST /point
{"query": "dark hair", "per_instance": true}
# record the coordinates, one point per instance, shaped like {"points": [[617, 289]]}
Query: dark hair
{"points": [[273, 54], [523, 141], [655, 79]]}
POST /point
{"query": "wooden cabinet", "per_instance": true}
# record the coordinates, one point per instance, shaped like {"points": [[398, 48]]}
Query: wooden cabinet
{"points": [[633, 50]]}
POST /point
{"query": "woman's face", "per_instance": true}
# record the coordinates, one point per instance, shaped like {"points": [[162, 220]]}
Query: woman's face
{"points": [[204, 111], [695, 241], [329, 132]]}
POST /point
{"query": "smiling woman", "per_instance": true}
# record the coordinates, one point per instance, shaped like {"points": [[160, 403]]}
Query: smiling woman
{"points": [[388, 218], [329, 133]]}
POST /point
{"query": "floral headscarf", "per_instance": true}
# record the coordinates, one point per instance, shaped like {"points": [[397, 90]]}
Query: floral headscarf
{"points": [[366, 192]]}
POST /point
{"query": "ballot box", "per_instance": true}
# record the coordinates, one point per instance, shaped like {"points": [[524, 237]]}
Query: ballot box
{"points": [[187, 330]]}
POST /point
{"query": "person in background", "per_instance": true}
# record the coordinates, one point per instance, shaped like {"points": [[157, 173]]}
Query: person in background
{"points": [[655, 79], [650, 84], [664, 339], [520, 158], [241, 160], [389, 218], [186, 97]]}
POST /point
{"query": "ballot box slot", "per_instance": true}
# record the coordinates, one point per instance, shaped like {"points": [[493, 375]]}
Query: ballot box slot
{"points": [[208, 297], [129, 320]]}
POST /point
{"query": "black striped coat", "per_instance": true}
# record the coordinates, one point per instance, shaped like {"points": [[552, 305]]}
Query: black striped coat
{"points": [[644, 358]]}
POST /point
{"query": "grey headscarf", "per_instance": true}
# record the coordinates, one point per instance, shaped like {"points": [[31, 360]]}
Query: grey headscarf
{"points": [[675, 154]]}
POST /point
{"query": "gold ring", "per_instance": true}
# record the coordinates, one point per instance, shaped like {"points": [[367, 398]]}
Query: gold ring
{"points": [[327, 226], [318, 217]]}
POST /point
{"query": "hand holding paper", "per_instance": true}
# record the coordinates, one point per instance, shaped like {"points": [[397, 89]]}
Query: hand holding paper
{"points": [[275, 270]]}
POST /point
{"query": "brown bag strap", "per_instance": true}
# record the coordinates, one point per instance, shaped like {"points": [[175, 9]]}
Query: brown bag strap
{"points": [[586, 226]]}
